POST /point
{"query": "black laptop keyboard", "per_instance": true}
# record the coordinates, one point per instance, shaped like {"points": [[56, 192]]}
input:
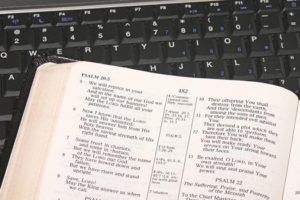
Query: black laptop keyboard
{"points": [[254, 40]]}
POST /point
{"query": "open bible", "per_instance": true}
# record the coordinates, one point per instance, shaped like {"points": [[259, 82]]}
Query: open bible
{"points": [[98, 132]]}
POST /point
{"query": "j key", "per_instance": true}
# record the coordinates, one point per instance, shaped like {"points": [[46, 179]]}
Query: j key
{"points": [[244, 24], [21, 39], [243, 6], [159, 68], [3, 128], [270, 5], [189, 29], [6, 110], [188, 69], [133, 32], [117, 15], [233, 48], [288, 43], [143, 13], [261, 46], [41, 19], [167, 12], [217, 26], [272, 67], [94, 16], [67, 18], [122, 55], [150, 53], [72, 53], [294, 65], [11, 62], [96, 54], [206, 49], [292, 84], [270, 23], [106, 34], [216, 69], [243, 68], [178, 51], [162, 30], [291, 5], [12, 85], [77, 36], [293, 21], [218, 8], [3, 40], [49, 37], [193, 10], [15, 21]]}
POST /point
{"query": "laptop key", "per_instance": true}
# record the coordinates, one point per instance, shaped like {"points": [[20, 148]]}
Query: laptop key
{"points": [[122, 55], [15, 21], [188, 69], [3, 40], [106, 34], [167, 11], [205, 49], [218, 8], [162, 30], [288, 43], [218, 26], [72, 52], [261, 45], [6, 111], [41, 19], [11, 62], [133, 32], [159, 68], [21, 39], [270, 23], [77, 36], [216, 69], [142, 13], [243, 6], [243, 68], [115, 15], [294, 65], [193, 10], [12, 85], [233, 48], [292, 84], [268, 6], [49, 37], [189, 28], [178, 51], [272, 67], [96, 54], [67, 18], [150, 53], [293, 20], [94, 16], [244, 24], [3, 128]]}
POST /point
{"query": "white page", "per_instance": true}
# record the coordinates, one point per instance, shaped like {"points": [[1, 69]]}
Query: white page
{"points": [[171, 126]]}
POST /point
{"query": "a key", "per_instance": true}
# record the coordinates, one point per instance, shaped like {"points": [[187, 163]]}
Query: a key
{"points": [[106, 34], [178, 51], [188, 69], [294, 65], [142, 13], [270, 23], [261, 46], [6, 111], [12, 85], [291, 4], [98, 54], [272, 67], [217, 26], [41, 19], [243, 6], [218, 8], [189, 28], [49, 37], [206, 49], [243, 68], [15, 21], [21, 39], [162, 30], [150, 53], [293, 20], [159, 68], [233, 48], [11, 62], [117, 15], [133, 32], [167, 11], [93, 16], [193, 10], [122, 55], [288, 43], [292, 84], [67, 18], [77, 36], [216, 69], [244, 24], [268, 6]]}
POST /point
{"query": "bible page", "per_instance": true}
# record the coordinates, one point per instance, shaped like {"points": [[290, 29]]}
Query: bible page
{"points": [[132, 135]]}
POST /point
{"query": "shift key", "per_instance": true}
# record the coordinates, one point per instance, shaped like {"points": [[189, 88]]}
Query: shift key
{"points": [[10, 62]]}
